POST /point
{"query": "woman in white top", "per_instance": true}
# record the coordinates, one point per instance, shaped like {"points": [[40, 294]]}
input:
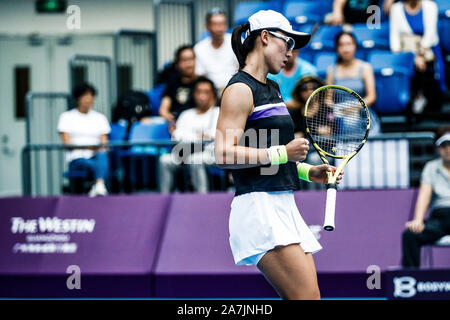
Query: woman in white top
{"points": [[418, 18], [85, 127]]}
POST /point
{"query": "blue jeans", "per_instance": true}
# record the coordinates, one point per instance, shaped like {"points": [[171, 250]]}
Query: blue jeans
{"points": [[97, 166]]}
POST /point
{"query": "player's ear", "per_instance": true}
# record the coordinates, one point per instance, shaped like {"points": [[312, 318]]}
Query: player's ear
{"points": [[264, 36]]}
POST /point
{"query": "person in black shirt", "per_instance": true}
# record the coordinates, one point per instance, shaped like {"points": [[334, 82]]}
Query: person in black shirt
{"points": [[176, 97], [255, 139]]}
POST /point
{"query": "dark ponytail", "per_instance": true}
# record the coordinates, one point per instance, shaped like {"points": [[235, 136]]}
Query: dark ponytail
{"points": [[240, 49]]}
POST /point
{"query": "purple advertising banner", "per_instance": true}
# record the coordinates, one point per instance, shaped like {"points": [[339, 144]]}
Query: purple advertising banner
{"points": [[368, 232], [177, 245], [110, 235]]}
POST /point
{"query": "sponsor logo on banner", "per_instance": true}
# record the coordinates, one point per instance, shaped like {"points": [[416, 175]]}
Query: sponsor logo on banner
{"points": [[48, 234], [428, 284]]}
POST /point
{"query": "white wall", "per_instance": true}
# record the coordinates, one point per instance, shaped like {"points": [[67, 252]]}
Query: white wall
{"points": [[97, 16]]}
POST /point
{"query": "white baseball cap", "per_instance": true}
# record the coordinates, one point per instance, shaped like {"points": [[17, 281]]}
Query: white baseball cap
{"points": [[272, 20], [444, 138]]}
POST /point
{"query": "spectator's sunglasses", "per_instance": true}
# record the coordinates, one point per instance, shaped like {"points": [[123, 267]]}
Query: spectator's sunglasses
{"points": [[290, 43]]}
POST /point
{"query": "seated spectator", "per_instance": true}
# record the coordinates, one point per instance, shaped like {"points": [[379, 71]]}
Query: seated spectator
{"points": [[350, 11], [413, 27], [214, 56], [194, 125], [294, 70], [84, 126], [303, 89], [434, 194], [354, 74], [176, 95]]}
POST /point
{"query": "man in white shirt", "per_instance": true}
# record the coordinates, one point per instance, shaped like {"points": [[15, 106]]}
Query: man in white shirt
{"points": [[84, 126], [215, 58], [193, 125]]}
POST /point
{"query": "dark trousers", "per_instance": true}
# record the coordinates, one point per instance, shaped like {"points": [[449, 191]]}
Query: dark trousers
{"points": [[437, 226], [425, 82]]}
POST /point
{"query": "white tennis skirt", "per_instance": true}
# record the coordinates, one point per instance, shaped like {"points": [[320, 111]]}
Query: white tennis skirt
{"points": [[260, 221]]}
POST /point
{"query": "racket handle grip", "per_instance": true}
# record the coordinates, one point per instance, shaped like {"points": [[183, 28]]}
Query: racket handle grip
{"points": [[330, 209]]}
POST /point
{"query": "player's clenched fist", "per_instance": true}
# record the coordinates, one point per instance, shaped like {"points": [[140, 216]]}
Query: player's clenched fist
{"points": [[297, 149]]}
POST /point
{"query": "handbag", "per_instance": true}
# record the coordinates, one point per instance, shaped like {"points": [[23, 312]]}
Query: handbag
{"points": [[411, 43]]}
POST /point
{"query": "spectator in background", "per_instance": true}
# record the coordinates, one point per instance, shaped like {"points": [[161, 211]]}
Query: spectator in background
{"points": [[434, 194], [214, 56], [354, 74], [84, 126], [303, 89], [413, 27], [294, 70], [176, 95], [350, 11], [194, 125], [387, 4]]}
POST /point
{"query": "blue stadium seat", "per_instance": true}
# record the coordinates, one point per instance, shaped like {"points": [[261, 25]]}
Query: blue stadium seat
{"points": [[139, 164], [118, 131], [372, 38], [323, 39], [393, 91], [155, 96], [322, 61], [158, 129], [393, 73], [443, 7], [306, 12], [386, 59], [444, 24], [245, 9], [306, 52]]}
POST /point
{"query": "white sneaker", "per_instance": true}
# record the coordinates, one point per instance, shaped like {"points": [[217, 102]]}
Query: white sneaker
{"points": [[98, 189], [419, 104]]}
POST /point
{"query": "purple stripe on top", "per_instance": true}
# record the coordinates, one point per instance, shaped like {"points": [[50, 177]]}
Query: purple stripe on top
{"points": [[269, 112]]}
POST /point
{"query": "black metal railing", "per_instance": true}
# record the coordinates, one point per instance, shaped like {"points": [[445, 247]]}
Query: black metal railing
{"points": [[43, 165]]}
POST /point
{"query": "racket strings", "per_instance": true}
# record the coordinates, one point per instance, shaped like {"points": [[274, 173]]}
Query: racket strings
{"points": [[337, 121]]}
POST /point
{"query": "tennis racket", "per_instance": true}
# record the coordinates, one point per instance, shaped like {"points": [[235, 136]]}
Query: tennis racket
{"points": [[337, 124]]}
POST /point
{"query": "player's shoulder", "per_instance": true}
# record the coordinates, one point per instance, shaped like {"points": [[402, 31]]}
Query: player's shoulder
{"points": [[237, 95]]}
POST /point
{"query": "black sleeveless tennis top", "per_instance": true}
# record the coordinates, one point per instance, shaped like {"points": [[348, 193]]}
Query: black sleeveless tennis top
{"points": [[270, 123]]}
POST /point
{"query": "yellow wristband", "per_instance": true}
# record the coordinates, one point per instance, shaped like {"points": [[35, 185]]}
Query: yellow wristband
{"points": [[277, 155], [303, 171]]}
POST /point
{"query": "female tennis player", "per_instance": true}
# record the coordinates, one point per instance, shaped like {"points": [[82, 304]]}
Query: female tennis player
{"points": [[255, 138]]}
